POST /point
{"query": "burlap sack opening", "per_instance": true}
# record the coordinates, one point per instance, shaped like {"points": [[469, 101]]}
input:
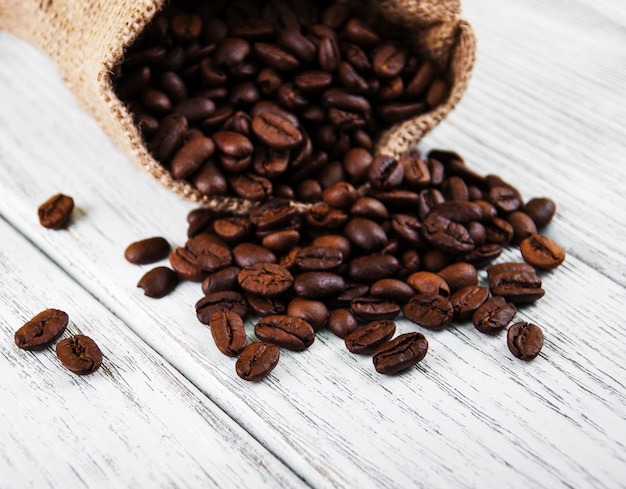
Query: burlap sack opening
{"points": [[87, 38]]}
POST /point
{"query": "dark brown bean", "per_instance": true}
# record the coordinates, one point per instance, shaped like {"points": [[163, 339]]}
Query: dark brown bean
{"points": [[428, 283], [371, 268], [467, 299], [147, 251], [158, 282], [56, 212], [459, 275], [525, 340], [541, 252], [42, 330], [288, 332], [494, 315], [276, 131], [372, 308], [257, 360], [342, 322], [181, 262], [314, 285], [313, 312], [429, 311], [541, 210], [392, 289], [79, 354], [516, 282], [265, 279], [226, 300], [224, 279], [400, 353], [190, 157], [247, 254], [228, 332], [370, 337]]}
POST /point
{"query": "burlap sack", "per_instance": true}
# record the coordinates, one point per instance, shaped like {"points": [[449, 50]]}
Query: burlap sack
{"points": [[87, 38]]}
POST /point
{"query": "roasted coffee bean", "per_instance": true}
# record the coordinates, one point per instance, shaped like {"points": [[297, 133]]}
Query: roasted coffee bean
{"points": [[461, 211], [209, 252], [340, 243], [255, 29], [313, 312], [265, 279], [505, 198], [408, 229], [328, 53], [370, 268], [232, 144], [231, 51], [248, 254], [156, 101], [272, 215], [169, 137], [281, 241], [185, 268], [388, 60], [257, 360], [385, 173], [42, 330], [467, 299], [366, 234], [523, 226], [224, 279], [356, 162], [429, 198], [421, 79], [226, 300], [340, 195], [392, 289], [541, 210], [288, 332], [428, 283], [498, 231], [314, 285], [516, 282], [369, 208], [232, 229], [447, 235], [400, 353], [147, 251], [190, 157], [482, 255], [270, 163], [437, 93], [79, 354], [313, 258], [228, 332], [298, 44], [541, 252], [416, 172], [342, 322], [370, 337], [276, 132], [313, 81], [210, 180], [494, 315], [434, 260], [459, 275], [158, 282], [399, 200], [186, 27], [372, 308], [269, 81], [477, 232], [429, 311], [56, 212], [525, 340], [250, 186], [400, 111]]}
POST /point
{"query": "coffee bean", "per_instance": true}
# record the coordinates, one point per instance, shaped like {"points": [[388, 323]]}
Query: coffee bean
{"points": [[525, 340], [392, 289], [385, 173], [181, 261], [541, 211], [369, 208], [208, 252], [499, 231], [459, 275], [232, 229], [505, 198], [371, 268], [288, 332], [329, 56], [276, 132], [265, 279], [366, 234], [523, 226], [388, 60], [494, 315], [447, 235], [298, 44], [400, 353], [281, 241], [314, 285], [55, 213], [342, 322], [147, 251], [257, 360], [339, 243], [314, 258], [42, 330], [461, 211], [169, 137], [359, 33], [79, 354], [467, 299], [541, 252], [231, 51], [516, 282], [198, 221], [372, 308], [313, 312], [158, 282], [190, 157], [248, 254], [428, 283], [220, 301], [370, 337], [228, 332], [429, 311]]}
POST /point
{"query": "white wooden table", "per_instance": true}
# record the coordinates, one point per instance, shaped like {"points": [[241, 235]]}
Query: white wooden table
{"points": [[546, 110]]}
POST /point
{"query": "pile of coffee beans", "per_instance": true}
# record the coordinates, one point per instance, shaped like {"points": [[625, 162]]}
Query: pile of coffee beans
{"points": [[410, 246], [262, 99], [79, 353]]}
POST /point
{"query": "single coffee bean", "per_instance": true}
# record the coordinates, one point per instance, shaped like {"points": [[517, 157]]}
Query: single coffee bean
{"points": [[185, 268], [55, 213], [371, 268], [158, 282], [499, 231], [541, 252], [156, 101], [372, 308], [190, 157], [366, 234], [232, 229], [314, 285], [276, 57], [265, 279], [228, 332], [437, 92], [388, 60], [525, 340], [516, 282], [281, 241], [385, 173], [494, 315], [342, 322], [276, 132], [506, 199], [523, 226], [313, 312], [79, 354], [356, 162], [340, 195], [447, 235], [169, 137], [257, 360], [231, 51], [370, 337], [541, 210], [248, 254], [210, 180], [400, 111], [369, 208], [428, 283], [400, 353], [467, 299], [429, 311], [147, 251], [186, 27], [329, 55], [408, 229], [482, 256], [314, 258], [42, 330], [226, 300], [459, 275], [297, 43], [292, 333], [421, 80], [392, 289], [461, 211], [209, 252]]}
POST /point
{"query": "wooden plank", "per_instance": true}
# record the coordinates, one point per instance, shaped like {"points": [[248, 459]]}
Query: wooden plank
{"points": [[469, 413], [136, 422]]}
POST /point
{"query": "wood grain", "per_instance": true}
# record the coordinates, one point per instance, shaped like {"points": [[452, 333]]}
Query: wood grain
{"points": [[543, 111]]}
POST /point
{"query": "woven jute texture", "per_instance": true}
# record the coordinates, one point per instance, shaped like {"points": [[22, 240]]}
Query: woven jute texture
{"points": [[87, 38]]}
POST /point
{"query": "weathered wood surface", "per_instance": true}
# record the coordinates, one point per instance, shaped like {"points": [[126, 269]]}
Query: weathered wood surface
{"points": [[546, 111]]}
